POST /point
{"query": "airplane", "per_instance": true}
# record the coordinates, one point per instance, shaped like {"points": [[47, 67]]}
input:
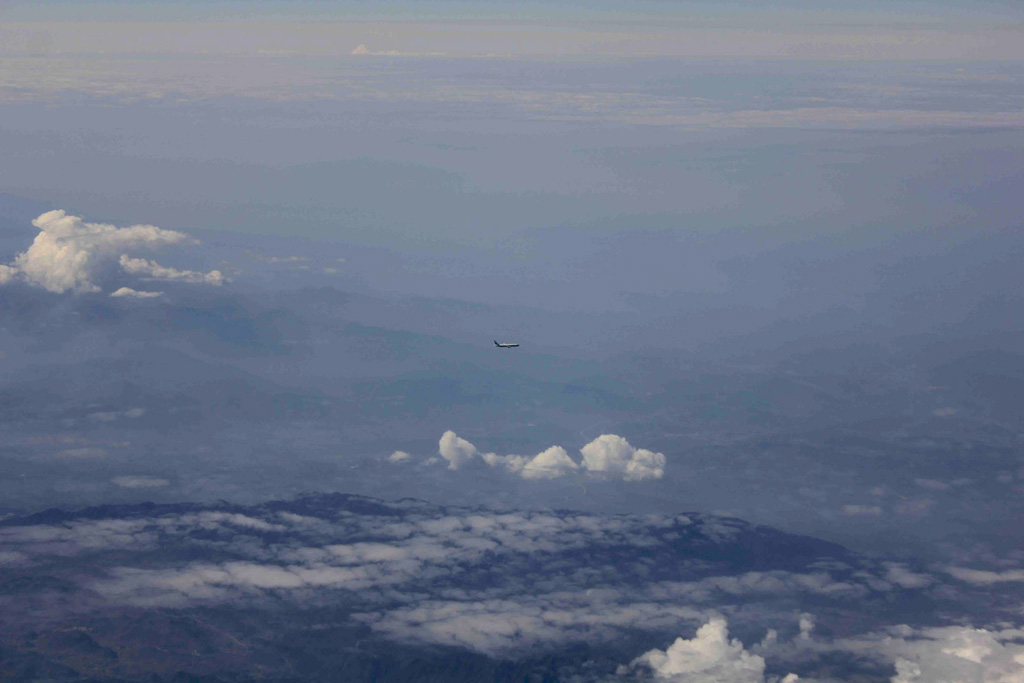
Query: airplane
{"points": [[505, 346]]}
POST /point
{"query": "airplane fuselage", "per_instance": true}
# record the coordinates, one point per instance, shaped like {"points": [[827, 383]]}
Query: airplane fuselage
{"points": [[504, 346]]}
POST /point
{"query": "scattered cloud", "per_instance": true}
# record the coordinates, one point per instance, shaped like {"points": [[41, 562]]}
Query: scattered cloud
{"points": [[399, 456], [607, 455], [139, 482]]}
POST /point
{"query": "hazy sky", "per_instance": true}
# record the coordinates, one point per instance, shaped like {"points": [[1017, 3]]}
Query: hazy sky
{"points": [[762, 261]]}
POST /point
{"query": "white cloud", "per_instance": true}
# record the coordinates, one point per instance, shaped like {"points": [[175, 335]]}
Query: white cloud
{"points": [[68, 252], [612, 454], [134, 482], [456, 450], [709, 657], [607, 455], [985, 578], [549, 464], [899, 574], [399, 456], [361, 50], [154, 271], [134, 294]]}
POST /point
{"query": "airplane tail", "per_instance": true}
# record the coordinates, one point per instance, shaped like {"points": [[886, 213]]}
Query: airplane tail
{"points": [[496, 343]]}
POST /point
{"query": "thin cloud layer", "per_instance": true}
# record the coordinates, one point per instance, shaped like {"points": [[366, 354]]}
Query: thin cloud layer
{"points": [[607, 455], [151, 270], [68, 254], [130, 293]]}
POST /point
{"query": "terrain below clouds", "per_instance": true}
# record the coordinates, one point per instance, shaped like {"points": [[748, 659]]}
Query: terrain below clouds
{"points": [[407, 590]]}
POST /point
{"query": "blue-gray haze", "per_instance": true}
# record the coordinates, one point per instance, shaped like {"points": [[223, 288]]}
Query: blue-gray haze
{"points": [[764, 268]]}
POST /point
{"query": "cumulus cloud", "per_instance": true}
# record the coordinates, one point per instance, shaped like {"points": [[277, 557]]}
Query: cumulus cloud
{"points": [[152, 270], [607, 455], [612, 454], [134, 294], [549, 464], [456, 450], [68, 253], [399, 456], [708, 656]]}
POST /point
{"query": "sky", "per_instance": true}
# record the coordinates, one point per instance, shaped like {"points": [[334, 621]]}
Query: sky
{"points": [[762, 264]]}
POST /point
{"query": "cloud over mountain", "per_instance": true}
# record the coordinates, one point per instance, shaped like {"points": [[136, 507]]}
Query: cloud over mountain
{"points": [[499, 585]]}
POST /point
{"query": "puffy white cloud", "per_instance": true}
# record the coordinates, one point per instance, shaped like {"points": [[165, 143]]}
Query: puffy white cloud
{"points": [[154, 271], [68, 252], [456, 450], [137, 482], [399, 456], [710, 657], [549, 464], [612, 454], [134, 294]]}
